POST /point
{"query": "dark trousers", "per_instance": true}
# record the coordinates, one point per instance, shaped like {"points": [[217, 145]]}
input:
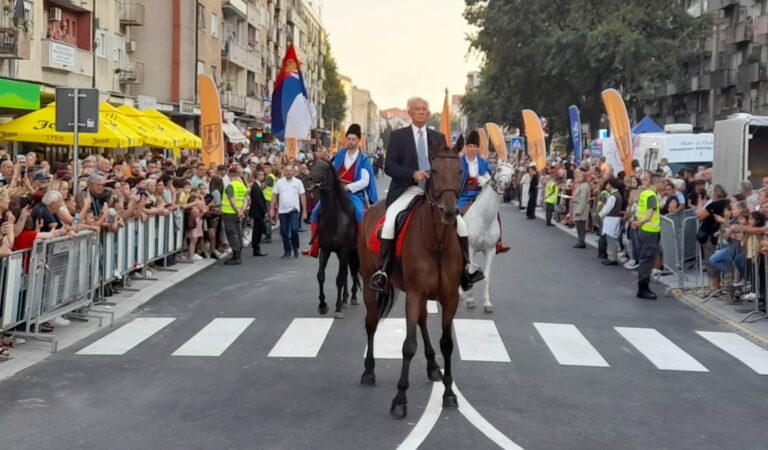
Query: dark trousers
{"points": [[550, 212], [289, 230], [257, 232], [531, 211], [233, 228], [649, 250], [581, 231]]}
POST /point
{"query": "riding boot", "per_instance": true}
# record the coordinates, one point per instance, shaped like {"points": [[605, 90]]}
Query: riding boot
{"points": [[314, 245], [380, 279], [468, 279], [501, 247]]}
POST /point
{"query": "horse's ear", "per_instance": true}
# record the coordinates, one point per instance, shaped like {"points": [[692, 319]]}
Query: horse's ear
{"points": [[459, 145]]}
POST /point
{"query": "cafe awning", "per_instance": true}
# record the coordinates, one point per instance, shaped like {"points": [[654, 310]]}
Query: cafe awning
{"points": [[234, 135], [40, 127], [188, 139], [127, 116]]}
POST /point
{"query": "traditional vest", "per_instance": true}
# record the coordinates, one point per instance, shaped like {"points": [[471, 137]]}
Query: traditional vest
{"points": [[617, 206], [240, 191], [348, 175], [654, 225]]}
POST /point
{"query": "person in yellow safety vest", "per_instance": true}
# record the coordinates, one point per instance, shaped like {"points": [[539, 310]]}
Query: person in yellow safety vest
{"points": [[648, 227], [267, 188], [233, 210], [551, 193]]}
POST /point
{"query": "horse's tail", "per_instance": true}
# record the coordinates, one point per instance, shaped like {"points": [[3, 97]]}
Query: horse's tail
{"points": [[386, 300]]}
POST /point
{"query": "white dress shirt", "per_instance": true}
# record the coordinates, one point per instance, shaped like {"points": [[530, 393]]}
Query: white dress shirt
{"points": [[365, 178], [474, 167]]}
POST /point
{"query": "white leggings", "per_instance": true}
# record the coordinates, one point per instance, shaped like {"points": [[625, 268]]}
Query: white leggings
{"points": [[388, 230]]}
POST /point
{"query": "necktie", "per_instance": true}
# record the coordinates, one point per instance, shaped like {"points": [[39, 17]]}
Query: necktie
{"points": [[421, 149]]}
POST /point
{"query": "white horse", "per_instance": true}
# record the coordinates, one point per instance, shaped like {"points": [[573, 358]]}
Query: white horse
{"points": [[483, 226]]}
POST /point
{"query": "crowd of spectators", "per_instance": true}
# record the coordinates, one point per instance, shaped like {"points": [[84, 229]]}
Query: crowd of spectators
{"points": [[730, 229]]}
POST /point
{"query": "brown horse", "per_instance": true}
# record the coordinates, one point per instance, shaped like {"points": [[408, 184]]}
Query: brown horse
{"points": [[430, 267]]}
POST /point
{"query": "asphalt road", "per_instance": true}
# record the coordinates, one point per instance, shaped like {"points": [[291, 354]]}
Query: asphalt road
{"points": [[149, 398]]}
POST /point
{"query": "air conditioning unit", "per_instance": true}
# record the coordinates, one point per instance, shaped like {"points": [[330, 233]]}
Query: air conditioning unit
{"points": [[130, 46], [54, 14]]}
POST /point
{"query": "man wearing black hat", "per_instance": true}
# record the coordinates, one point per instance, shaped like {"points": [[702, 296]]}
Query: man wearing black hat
{"points": [[408, 164]]}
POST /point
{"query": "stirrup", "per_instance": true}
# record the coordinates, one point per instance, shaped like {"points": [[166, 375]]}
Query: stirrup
{"points": [[375, 286]]}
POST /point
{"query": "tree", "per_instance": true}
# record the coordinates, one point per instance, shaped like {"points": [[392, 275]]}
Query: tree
{"points": [[548, 54], [335, 98]]}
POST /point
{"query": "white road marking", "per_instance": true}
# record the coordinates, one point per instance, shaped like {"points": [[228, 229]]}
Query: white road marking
{"points": [[127, 337], [215, 338], [737, 346], [432, 413], [432, 307], [663, 353], [302, 339], [569, 346], [388, 340], [479, 340]]}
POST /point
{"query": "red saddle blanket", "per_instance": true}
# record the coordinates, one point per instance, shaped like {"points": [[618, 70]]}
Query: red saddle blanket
{"points": [[374, 243]]}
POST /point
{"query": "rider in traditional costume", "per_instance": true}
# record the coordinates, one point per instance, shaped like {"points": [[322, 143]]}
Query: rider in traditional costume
{"points": [[356, 173], [408, 164], [474, 166]]}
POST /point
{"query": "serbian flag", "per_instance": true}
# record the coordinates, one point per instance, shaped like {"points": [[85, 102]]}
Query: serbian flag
{"points": [[292, 112]]}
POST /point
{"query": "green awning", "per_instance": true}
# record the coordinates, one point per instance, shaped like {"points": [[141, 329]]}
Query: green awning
{"points": [[19, 95]]}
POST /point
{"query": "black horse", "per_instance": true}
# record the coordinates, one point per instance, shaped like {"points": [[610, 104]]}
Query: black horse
{"points": [[336, 233]]}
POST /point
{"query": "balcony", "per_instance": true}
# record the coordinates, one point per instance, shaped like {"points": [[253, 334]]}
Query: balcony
{"points": [[700, 83], [132, 13], [253, 106], [748, 74], [715, 5], [14, 43], [239, 7], [723, 78], [290, 17], [253, 61], [235, 53], [132, 73], [57, 55], [254, 16], [742, 32], [230, 100]]}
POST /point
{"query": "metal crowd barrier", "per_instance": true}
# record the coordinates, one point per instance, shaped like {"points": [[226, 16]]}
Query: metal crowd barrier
{"points": [[63, 275], [678, 244]]}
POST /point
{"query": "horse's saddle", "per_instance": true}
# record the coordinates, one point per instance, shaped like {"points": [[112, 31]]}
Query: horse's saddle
{"points": [[402, 222]]}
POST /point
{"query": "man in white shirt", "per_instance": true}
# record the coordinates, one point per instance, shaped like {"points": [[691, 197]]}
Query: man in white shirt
{"points": [[664, 166], [289, 201]]}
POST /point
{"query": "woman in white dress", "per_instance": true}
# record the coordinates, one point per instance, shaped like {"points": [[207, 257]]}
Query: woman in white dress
{"points": [[525, 184]]}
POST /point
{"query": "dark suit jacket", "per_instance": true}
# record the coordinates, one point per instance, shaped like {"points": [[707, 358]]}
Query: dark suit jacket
{"points": [[258, 204], [402, 159]]}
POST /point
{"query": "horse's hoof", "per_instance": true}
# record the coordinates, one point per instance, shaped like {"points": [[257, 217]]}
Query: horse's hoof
{"points": [[488, 309], [470, 304], [398, 411], [354, 301], [435, 375], [368, 379], [322, 310], [450, 401], [338, 315]]}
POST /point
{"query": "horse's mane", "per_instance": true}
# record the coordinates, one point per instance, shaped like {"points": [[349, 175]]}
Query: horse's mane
{"points": [[336, 188]]}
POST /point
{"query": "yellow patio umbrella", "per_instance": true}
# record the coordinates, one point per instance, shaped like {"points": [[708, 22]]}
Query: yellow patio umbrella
{"points": [[190, 139], [151, 136], [40, 127], [156, 129]]}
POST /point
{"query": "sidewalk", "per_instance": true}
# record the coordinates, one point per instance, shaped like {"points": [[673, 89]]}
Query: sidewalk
{"points": [[34, 350], [729, 315]]}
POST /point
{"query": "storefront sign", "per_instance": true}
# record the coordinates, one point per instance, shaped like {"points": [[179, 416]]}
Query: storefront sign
{"points": [[19, 95], [62, 55]]}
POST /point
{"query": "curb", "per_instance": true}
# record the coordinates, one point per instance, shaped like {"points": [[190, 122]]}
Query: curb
{"points": [[686, 299], [35, 351]]}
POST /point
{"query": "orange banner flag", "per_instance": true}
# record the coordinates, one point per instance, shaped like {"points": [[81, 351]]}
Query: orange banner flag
{"points": [[291, 148], [620, 129], [445, 121], [482, 149], [534, 139], [210, 121]]}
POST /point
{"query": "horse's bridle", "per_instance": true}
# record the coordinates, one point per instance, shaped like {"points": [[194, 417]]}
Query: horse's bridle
{"points": [[322, 185], [428, 188], [495, 183]]}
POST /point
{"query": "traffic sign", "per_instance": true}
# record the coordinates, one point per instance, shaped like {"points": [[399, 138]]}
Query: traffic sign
{"points": [[87, 109], [517, 143]]}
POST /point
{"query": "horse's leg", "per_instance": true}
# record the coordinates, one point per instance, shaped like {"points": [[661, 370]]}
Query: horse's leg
{"points": [[413, 306], [341, 284], [323, 261], [354, 272], [446, 347], [371, 323], [466, 296], [489, 254], [433, 369]]}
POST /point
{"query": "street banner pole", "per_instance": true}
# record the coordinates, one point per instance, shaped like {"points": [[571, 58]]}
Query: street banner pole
{"points": [[75, 144]]}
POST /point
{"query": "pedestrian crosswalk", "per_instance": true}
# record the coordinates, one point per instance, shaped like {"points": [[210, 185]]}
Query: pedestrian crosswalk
{"points": [[477, 340]]}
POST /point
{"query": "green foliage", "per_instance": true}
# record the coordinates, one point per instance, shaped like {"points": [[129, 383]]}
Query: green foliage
{"points": [[335, 98], [548, 54]]}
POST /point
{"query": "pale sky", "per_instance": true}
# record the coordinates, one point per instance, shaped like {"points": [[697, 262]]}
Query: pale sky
{"points": [[400, 48]]}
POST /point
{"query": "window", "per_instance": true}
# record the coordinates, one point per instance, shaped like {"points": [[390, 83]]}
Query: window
{"points": [[118, 48], [101, 43], [200, 67], [28, 8], [201, 17], [215, 74], [214, 25]]}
